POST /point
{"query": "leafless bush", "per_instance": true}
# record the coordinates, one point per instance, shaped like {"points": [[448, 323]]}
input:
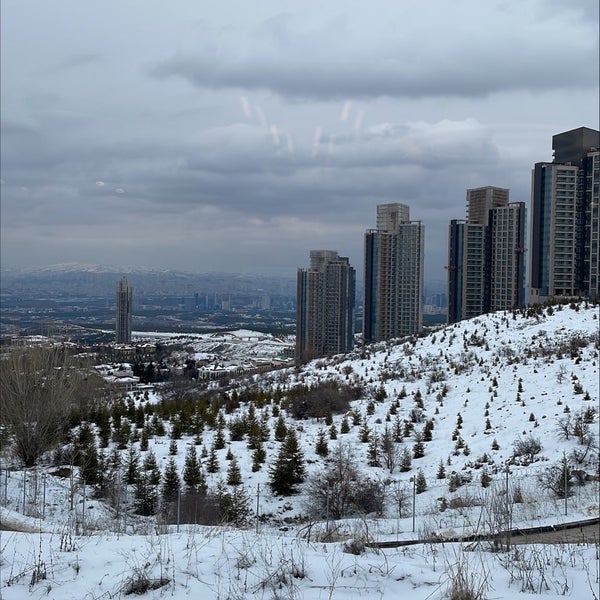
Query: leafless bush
{"points": [[466, 583], [319, 401], [535, 569], [401, 495], [527, 449], [39, 388], [340, 490], [139, 583]]}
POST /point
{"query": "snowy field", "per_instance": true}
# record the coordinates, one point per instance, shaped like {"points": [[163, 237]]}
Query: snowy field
{"points": [[488, 385]]}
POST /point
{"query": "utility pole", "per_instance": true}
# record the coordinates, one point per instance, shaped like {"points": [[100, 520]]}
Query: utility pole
{"points": [[327, 510], [44, 497], [257, 504], [414, 480], [565, 483], [507, 512]]}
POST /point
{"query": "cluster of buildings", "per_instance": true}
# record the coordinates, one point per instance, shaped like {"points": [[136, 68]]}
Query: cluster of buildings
{"points": [[486, 256]]}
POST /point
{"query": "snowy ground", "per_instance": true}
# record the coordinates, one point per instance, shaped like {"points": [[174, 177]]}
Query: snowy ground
{"points": [[227, 564], [77, 548]]}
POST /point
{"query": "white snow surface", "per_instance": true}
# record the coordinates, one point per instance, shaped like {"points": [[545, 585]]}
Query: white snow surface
{"points": [[83, 551]]}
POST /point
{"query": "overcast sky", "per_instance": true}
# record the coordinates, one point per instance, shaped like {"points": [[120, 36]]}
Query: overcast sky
{"points": [[239, 135]]}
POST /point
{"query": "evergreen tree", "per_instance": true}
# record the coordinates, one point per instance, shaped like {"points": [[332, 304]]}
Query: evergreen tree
{"points": [[176, 428], [219, 440], [420, 482], [418, 449], [151, 469], [333, 432], [191, 469], [321, 447], [373, 452], [144, 440], [405, 461], [171, 482], [234, 475], [112, 478], [428, 431], [280, 429], [454, 482], [441, 472], [265, 430], [146, 496], [345, 426], [364, 433], [158, 426], [418, 399], [86, 456], [398, 432], [212, 466], [288, 470], [485, 478], [173, 447], [234, 506], [258, 457], [562, 485], [132, 466]]}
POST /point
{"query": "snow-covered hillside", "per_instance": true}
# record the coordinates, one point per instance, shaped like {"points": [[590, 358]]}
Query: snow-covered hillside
{"points": [[483, 416]]}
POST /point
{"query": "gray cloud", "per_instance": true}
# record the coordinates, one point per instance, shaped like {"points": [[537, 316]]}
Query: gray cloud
{"points": [[78, 61], [297, 124], [412, 58]]}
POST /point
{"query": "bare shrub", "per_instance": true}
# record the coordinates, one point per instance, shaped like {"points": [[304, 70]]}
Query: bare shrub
{"points": [[320, 400], [341, 489], [466, 583], [527, 449], [39, 389], [139, 583]]}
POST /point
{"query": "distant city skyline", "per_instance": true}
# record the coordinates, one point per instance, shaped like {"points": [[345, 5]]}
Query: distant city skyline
{"points": [[234, 138]]}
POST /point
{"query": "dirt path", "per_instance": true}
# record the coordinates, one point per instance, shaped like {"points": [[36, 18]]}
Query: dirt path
{"points": [[588, 534], [582, 532]]}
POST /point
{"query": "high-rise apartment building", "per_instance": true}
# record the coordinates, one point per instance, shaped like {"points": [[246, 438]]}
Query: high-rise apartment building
{"points": [[123, 312], [565, 218], [325, 306], [393, 303], [486, 264]]}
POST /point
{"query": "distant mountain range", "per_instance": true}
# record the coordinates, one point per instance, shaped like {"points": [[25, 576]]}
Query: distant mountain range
{"points": [[100, 280]]}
